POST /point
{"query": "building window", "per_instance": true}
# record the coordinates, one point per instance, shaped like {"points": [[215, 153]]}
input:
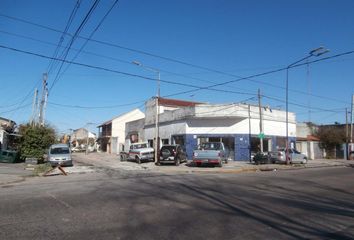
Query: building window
{"points": [[178, 140], [165, 141]]}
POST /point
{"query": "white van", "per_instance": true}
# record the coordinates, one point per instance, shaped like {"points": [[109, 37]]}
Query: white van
{"points": [[60, 154]]}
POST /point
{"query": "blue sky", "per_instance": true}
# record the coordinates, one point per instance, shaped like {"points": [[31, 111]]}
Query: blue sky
{"points": [[235, 38]]}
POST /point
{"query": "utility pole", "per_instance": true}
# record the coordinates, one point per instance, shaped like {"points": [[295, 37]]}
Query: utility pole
{"points": [[157, 98], [260, 120], [352, 120], [249, 130], [346, 133], [157, 155], [34, 108], [43, 99]]}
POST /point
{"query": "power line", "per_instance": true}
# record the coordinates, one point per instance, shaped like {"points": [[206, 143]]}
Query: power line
{"points": [[120, 72], [61, 39], [89, 38], [74, 37], [15, 109], [110, 58], [176, 83], [96, 107], [297, 104], [179, 61]]}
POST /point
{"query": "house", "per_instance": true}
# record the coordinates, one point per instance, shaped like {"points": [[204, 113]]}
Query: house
{"points": [[307, 142], [7, 126], [112, 133], [80, 136], [237, 125]]}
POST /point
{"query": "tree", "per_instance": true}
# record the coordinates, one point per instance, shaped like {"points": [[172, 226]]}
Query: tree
{"points": [[331, 137], [35, 140]]}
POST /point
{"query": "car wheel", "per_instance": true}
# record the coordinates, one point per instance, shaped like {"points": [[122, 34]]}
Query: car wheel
{"points": [[220, 163], [137, 159], [304, 161], [226, 160], [177, 161]]}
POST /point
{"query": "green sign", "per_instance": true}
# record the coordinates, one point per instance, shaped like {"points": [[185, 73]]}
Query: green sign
{"points": [[261, 135]]}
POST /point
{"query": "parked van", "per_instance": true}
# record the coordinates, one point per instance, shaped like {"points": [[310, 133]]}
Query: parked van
{"points": [[60, 154]]}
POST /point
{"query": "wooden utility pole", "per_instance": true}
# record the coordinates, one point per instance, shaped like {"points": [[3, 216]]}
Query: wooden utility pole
{"points": [[43, 99], [260, 120], [34, 108], [351, 121], [249, 131], [346, 132]]}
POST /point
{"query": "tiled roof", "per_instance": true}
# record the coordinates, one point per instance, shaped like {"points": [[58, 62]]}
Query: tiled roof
{"points": [[308, 138], [176, 102]]}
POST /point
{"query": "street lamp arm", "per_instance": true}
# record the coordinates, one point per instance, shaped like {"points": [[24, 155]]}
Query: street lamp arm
{"points": [[302, 59], [155, 70]]}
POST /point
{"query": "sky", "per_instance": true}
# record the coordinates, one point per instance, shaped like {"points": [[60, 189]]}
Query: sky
{"points": [[193, 44]]}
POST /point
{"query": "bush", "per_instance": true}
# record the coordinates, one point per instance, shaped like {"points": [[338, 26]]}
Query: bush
{"points": [[331, 138], [35, 140]]}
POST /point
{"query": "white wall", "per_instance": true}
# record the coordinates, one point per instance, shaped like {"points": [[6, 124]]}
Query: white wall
{"points": [[238, 126], [166, 131], [118, 127]]}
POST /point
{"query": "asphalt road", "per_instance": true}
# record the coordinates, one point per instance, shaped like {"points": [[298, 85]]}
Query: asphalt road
{"points": [[299, 204]]}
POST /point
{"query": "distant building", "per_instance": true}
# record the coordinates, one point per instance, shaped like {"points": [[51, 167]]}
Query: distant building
{"points": [[307, 142], [112, 133], [79, 136]]}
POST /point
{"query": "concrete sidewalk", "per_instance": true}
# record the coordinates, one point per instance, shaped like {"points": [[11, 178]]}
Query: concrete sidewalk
{"points": [[112, 161], [13, 173]]}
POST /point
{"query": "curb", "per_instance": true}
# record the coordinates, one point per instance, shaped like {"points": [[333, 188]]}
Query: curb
{"points": [[21, 179]]}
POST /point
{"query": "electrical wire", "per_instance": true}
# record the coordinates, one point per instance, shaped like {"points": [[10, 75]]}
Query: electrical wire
{"points": [[74, 37], [89, 38], [122, 73], [173, 60], [97, 107], [62, 37], [153, 79]]}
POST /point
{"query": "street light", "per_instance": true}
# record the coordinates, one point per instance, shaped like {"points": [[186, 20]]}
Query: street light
{"points": [[313, 53], [157, 106]]}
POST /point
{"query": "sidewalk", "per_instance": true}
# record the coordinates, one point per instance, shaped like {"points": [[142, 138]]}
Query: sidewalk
{"points": [[112, 161], [12, 173]]}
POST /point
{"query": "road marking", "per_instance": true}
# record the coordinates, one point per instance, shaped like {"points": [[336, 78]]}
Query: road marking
{"points": [[60, 201]]}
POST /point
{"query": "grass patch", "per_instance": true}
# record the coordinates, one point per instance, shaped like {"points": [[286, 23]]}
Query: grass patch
{"points": [[40, 169]]}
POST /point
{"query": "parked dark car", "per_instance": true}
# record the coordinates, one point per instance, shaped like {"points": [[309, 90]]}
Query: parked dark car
{"points": [[8, 156], [172, 154]]}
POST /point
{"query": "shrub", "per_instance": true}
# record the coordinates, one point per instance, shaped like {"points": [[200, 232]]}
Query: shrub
{"points": [[35, 140]]}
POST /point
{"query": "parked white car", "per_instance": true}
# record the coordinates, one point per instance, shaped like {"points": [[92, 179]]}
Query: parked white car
{"points": [[141, 152], [294, 156]]}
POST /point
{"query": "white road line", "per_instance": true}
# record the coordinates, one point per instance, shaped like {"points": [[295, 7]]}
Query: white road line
{"points": [[60, 201]]}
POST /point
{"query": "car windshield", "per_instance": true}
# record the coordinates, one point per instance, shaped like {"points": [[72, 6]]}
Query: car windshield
{"points": [[137, 146], [61, 150], [210, 146]]}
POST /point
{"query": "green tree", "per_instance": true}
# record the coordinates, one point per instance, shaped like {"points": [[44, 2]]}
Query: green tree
{"points": [[35, 140], [331, 138]]}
